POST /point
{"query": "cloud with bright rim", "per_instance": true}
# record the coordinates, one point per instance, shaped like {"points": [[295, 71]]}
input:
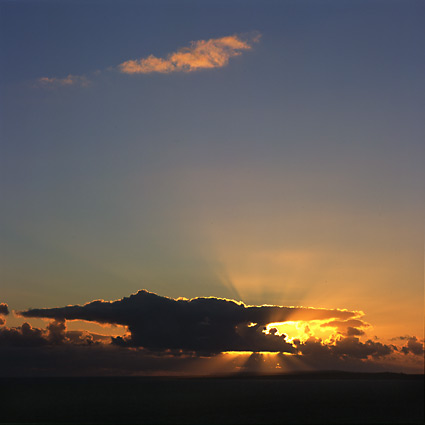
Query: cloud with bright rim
{"points": [[164, 333], [200, 324]]}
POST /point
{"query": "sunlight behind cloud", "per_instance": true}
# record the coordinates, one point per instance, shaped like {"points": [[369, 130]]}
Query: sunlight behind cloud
{"points": [[300, 330]]}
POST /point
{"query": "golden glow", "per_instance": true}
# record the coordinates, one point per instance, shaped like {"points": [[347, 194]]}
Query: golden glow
{"points": [[248, 353], [261, 362], [302, 330], [95, 327]]}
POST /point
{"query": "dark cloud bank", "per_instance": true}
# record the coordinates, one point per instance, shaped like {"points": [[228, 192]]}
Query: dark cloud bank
{"points": [[171, 336], [210, 325]]}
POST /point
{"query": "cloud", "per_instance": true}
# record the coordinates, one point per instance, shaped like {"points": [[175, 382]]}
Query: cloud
{"points": [[70, 80], [344, 350], [201, 54], [413, 346], [354, 331], [23, 336], [199, 324], [352, 347], [350, 327], [168, 336], [4, 309], [55, 334]]}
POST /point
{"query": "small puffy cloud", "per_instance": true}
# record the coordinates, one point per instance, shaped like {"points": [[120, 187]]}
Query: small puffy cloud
{"points": [[56, 332], [413, 346], [70, 80], [4, 309], [201, 54]]}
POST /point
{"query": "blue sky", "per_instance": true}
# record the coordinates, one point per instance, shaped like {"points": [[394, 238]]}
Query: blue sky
{"points": [[292, 175]]}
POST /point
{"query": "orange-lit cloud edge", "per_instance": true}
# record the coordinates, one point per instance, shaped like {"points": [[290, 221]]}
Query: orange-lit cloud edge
{"points": [[199, 55], [315, 342], [69, 80]]}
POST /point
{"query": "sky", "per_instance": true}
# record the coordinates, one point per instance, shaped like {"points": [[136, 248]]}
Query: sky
{"points": [[220, 156]]}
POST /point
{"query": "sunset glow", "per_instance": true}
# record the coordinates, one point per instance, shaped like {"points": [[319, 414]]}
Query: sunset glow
{"points": [[211, 188]]}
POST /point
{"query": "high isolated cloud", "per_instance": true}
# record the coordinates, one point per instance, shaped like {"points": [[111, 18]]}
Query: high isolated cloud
{"points": [[199, 324], [70, 80], [201, 54]]}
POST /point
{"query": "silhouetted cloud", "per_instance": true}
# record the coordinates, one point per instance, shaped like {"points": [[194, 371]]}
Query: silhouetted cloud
{"points": [[342, 348], [23, 336], [4, 309], [181, 336], [353, 347], [55, 334], [354, 331], [199, 324], [413, 346], [201, 54]]}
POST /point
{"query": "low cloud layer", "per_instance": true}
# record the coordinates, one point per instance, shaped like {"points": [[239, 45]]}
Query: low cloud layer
{"points": [[200, 324], [55, 334], [55, 351], [202, 54], [181, 336]]}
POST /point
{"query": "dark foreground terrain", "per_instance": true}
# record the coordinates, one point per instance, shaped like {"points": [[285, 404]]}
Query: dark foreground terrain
{"points": [[297, 399]]}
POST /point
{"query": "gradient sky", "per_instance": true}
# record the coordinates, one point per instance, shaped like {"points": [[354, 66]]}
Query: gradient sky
{"points": [[292, 175]]}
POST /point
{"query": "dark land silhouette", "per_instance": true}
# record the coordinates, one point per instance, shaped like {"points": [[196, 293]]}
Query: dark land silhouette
{"points": [[302, 398]]}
